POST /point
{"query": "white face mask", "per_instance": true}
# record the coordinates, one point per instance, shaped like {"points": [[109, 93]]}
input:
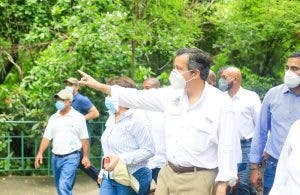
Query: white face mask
{"points": [[291, 79], [177, 80]]}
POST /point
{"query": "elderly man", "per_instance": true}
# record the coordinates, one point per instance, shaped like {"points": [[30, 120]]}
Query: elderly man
{"points": [[68, 132], [280, 109], [83, 105], [246, 105], [156, 120], [200, 136]]}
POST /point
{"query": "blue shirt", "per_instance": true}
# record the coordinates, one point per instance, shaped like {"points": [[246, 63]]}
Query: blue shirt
{"points": [[280, 109], [82, 103]]}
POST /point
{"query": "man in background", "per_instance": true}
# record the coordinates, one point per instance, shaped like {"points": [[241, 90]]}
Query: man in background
{"points": [[156, 120], [280, 109], [68, 132], [83, 105], [246, 105]]}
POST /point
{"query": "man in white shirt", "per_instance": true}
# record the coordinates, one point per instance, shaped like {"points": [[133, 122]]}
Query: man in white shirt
{"points": [[198, 122], [68, 131], [156, 120], [288, 171], [246, 105]]}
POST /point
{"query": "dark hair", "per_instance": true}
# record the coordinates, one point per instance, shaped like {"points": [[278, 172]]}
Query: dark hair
{"points": [[121, 81], [295, 54], [197, 59]]}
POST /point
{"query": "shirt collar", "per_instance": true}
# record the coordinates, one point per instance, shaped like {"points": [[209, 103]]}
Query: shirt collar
{"points": [[70, 113], [123, 116], [238, 93], [203, 95], [285, 89]]}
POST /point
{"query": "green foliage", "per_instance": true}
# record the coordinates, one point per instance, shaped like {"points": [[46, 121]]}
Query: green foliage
{"points": [[104, 38], [256, 83], [135, 38], [256, 34], [118, 39]]}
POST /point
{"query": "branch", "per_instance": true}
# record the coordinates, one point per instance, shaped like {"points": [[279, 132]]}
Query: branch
{"points": [[10, 58]]}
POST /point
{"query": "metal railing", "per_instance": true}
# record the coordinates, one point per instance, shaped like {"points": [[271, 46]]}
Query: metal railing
{"points": [[18, 149]]}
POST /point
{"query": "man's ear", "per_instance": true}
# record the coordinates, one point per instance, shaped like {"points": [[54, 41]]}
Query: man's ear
{"points": [[196, 73]]}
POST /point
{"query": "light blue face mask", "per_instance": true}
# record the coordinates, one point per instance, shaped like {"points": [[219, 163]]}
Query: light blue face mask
{"points": [[69, 89], [59, 105], [110, 105]]}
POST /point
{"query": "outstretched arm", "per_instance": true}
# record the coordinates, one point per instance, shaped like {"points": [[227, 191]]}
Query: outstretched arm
{"points": [[89, 81]]}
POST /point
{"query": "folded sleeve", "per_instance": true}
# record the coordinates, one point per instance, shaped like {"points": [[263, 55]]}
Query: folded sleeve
{"points": [[229, 148]]}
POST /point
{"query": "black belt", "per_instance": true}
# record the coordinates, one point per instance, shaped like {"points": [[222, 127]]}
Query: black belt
{"points": [[181, 169], [64, 155]]}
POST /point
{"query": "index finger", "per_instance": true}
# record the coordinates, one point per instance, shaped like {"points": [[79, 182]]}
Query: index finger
{"points": [[82, 73]]}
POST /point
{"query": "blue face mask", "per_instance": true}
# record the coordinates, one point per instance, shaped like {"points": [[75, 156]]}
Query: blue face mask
{"points": [[59, 105], [110, 105], [69, 89], [224, 85]]}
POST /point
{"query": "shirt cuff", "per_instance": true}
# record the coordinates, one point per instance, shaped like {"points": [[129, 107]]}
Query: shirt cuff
{"points": [[101, 173], [230, 178], [255, 159]]}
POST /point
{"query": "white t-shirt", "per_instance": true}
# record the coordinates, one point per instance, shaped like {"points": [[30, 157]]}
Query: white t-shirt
{"points": [[67, 131]]}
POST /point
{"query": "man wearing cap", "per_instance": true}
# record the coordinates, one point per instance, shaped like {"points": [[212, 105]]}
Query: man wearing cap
{"points": [[83, 105], [68, 132]]}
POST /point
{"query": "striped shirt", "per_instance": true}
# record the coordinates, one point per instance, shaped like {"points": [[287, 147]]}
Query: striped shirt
{"points": [[129, 138]]}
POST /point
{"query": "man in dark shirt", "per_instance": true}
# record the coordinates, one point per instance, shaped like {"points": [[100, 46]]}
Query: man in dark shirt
{"points": [[83, 105]]}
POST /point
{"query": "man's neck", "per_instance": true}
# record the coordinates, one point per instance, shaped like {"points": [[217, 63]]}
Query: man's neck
{"points": [[296, 90], [65, 111], [233, 91], [194, 92]]}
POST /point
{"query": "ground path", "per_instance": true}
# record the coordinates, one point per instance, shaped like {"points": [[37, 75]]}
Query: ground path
{"points": [[40, 185]]}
